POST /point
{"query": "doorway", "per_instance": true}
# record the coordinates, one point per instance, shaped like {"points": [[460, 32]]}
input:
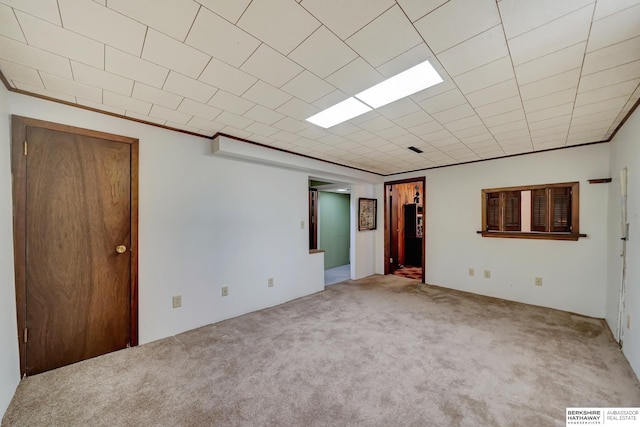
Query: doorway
{"points": [[75, 194], [405, 228]]}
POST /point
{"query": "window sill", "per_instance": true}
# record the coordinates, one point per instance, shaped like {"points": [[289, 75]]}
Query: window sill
{"points": [[531, 235]]}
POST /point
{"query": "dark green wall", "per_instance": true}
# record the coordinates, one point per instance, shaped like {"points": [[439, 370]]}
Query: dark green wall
{"points": [[333, 228]]}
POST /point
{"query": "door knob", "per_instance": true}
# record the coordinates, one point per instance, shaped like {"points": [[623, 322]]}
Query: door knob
{"points": [[121, 249]]}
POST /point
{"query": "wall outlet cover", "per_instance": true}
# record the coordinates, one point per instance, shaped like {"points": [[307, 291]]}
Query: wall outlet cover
{"points": [[176, 301], [225, 291], [487, 274]]}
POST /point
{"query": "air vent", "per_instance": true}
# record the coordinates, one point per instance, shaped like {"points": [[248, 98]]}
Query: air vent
{"points": [[415, 149]]}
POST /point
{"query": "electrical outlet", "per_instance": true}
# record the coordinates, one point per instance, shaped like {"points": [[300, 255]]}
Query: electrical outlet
{"points": [[538, 281], [176, 301], [487, 274], [302, 225], [628, 321], [471, 272], [225, 291], [270, 282]]}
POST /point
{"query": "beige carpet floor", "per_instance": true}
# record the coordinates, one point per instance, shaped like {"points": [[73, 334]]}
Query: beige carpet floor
{"points": [[382, 351]]}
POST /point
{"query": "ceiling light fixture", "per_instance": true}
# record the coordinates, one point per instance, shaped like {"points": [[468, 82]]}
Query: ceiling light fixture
{"points": [[401, 85], [341, 112]]}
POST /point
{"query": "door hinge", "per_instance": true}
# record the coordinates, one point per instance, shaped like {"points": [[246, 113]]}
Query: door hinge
{"points": [[25, 334], [25, 149]]}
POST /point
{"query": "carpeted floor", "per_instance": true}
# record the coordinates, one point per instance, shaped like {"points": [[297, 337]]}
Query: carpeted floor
{"points": [[381, 351]]}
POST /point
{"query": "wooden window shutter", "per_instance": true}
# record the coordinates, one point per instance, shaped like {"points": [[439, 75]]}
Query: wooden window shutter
{"points": [[493, 211], [539, 210], [512, 211], [561, 215]]}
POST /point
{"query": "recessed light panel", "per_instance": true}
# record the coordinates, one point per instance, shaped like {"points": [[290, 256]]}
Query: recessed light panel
{"points": [[406, 83], [341, 112]]}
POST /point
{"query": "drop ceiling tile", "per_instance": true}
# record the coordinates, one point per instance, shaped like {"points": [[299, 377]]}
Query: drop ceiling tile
{"points": [[230, 130], [323, 53], [13, 71], [355, 77], [263, 115], [125, 102], [611, 56], [292, 125], [500, 107], [425, 128], [585, 137], [414, 119], [508, 128], [331, 99], [63, 42], [501, 119], [297, 109], [552, 100], [607, 7], [231, 10], [594, 117], [487, 75], [234, 120], [345, 18], [566, 31], [97, 22], [146, 118], [606, 105], [9, 24], [230, 102], [610, 76], [465, 123], [308, 87], [271, 66], [188, 87], [365, 137], [475, 131], [493, 93], [261, 129], [538, 133], [443, 101], [480, 50], [216, 36], [614, 29], [199, 109], [377, 124], [170, 53], [156, 96], [416, 9], [100, 107], [607, 92], [521, 16], [601, 124], [43, 9], [223, 76], [70, 87], [399, 108], [392, 133], [96, 77], [192, 129], [267, 95], [130, 66], [549, 123], [549, 65], [385, 37], [552, 138], [548, 113], [455, 113], [163, 113], [553, 84], [281, 24], [171, 17], [408, 59], [283, 136], [432, 91], [204, 124], [471, 17]]}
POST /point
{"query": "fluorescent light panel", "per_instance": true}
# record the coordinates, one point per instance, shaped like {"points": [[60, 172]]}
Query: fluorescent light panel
{"points": [[341, 112], [401, 85]]}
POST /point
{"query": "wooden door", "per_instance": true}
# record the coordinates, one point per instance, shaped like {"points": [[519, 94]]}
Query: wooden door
{"points": [[75, 203]]}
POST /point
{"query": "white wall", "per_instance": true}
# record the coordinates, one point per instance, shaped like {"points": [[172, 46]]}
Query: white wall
{"points": [[9, 358], [205, 222], [573, 272], [625, 152]]}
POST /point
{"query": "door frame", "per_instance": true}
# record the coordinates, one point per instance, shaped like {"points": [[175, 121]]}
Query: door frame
{"points": [[387, 221], [19, 127]]}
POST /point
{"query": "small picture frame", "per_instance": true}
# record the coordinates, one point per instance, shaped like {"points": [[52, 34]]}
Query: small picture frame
{"points": [[367, 213]]}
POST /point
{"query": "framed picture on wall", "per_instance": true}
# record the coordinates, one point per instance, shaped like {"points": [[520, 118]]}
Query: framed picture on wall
{"points": [[367, 210]]}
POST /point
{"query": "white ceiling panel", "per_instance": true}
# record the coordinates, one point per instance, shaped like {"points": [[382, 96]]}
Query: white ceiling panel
{"points": [[607, 92], [223, 76], [597, 107], [323, 53], [292, 125], [487, 75], [464, 123], [548, 113], [230, 102], [199, 109], [298, 109], [234, 120], [171, 17], [408, 59], [281, 24], [101, 107], [416, 9], [97, 22], [610, 76], [346, 17], [504, 106], [566, 31], [200, 123], [13, 71], [214, 35], [44, 9], [308, 87], [264, 94], [521, 16], [170, 114], [167, 52], [443, 101], [615, 28], [125, 102], [455, 113], [20, 53], [550, 123], [480, 50], [156, 96], [9, 24], [552, 100], [231, 10], [355, 77], [384, 38], [611, 56], [261, 129], [495, 93], [414, 119], [607, 7], [145, 118], [263, 115], [52, 38], [188, 87], [399, 108], [552, 64], [96, 77], [70, 87], [132, 67], [550, 85], [45, 92], [271, 66], [471, 18]]}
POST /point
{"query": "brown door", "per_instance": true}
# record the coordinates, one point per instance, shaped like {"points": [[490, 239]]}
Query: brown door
{"points": [[78, 241]]}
